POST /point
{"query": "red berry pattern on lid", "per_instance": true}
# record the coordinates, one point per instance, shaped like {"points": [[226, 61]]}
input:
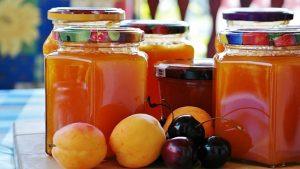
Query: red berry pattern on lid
{"points": [[285, 40], [278, 37], [255, 38], [113, 35]]}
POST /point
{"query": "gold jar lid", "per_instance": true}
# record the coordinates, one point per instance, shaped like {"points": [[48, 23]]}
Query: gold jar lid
{"points": [[85, 14]]}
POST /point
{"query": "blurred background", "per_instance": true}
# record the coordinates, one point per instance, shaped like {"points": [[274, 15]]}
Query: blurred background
{"points": [[24, 27]]}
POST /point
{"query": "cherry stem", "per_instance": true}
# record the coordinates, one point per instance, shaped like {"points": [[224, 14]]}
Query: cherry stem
{"points": [[223, 118], [163, 103]]}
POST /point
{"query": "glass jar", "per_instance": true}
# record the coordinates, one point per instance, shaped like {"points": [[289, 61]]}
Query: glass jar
{"points": [[257, 92], [164, 40], [238, 18], [92, 80], [83, 17], [186, 83]]}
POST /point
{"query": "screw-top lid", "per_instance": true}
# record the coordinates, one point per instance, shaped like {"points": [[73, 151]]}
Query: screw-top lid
{"points": [[197, 69], [279, 37], [99, 35], [85, 14], [157, 27], [258, 14]]}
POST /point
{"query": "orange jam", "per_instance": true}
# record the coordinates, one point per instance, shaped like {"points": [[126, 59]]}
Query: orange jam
{"points": [[83, 17], [163, 41], [186, 83], [257, 94], [97, 81], [254, 18]]}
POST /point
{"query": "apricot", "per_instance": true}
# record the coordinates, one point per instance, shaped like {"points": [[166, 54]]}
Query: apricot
{"points": [[199, 114], [79, 146], [137, 140]]}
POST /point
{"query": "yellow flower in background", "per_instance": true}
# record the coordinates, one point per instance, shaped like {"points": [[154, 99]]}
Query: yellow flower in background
{"points": [[18, 24]]}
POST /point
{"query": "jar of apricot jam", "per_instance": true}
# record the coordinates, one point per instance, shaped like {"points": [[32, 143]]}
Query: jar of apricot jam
{"points": [[82, 17], [99, 81], [238, 18], [257, 94], [164, 40], [186, 83]]}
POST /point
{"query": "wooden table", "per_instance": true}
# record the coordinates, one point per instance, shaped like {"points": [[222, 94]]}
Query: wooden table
{"points": [[29, 139], [26, 108]]}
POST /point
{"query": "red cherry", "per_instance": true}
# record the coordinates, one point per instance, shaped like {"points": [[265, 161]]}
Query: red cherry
{"points": [[178, 153]]}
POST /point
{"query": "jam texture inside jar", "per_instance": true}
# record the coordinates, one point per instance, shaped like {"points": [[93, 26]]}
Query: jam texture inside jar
{"points": [[256, 81], [164, 40], [97, 76]]}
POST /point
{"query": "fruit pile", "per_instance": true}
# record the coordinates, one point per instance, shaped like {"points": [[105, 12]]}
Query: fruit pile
{"points": [[185, 141], [188, 146]]}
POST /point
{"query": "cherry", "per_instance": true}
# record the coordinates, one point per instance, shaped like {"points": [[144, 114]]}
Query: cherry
{"points": [[214, 153], [178, 153], [187, 126]]}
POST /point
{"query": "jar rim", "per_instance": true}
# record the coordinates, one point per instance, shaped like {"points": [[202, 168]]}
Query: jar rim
{"points": [[258, 14], [195, 69], [83, 14], [157, 26], [98, 35], [278, 37]]}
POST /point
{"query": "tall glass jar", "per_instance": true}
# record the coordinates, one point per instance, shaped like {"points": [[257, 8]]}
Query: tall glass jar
{"points": [[257, 94], [237, 18], [164, 40], [94, 80], [83, 17]]}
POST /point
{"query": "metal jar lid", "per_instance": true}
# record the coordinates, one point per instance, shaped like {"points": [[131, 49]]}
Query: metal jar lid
{"points": [[197, 69], [258, 14], [84, 14], [157, 27]]}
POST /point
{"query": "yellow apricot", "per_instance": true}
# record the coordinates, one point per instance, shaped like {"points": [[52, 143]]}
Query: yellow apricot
{"points": [[79, 146], [137, 140]]}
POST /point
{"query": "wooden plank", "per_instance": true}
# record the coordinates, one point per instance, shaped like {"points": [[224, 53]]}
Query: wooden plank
{"points": [[29, 140]]}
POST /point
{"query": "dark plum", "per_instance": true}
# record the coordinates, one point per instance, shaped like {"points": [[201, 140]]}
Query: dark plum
{"points": [[187, 126], [214, 153], [178, 153]]}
